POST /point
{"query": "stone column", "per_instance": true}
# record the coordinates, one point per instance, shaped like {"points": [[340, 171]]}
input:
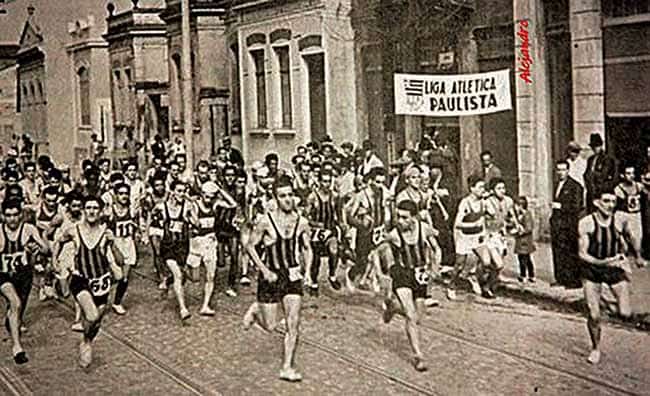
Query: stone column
{"points": [[470, 126], [587, 67], [532, 115]]}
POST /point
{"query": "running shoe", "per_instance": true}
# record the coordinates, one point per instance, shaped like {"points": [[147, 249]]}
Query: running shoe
{"points": [[451, 294], [245, 281], [290, 375], [119, 309], [77, 326], [336, 285], [206, 311], [419, 365], [594, 356], [85, 354], [476, 287], [231, 293]]}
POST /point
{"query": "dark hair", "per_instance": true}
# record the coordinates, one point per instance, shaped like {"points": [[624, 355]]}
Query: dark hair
{"points": [[563, 162], [282, 181], [91, 198], [486, 152], [54, 173], [14, 191], [50, 190], [241, 173], [523, 201], [229, 167], [102, 161], [325, 173], [158, 175], [116, 176], [175, 183], [121, 185], [11, 203], [8, 173], [74, 195], [347, 145], [409, 206], [496, 181], [126, 165], [29, 164], [294, 159], [271, 157], [203, 164], [472, 180]]}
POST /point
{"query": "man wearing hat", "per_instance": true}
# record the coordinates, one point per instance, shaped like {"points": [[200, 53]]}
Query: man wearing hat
{"points": [[234, 155], [601, 169]]}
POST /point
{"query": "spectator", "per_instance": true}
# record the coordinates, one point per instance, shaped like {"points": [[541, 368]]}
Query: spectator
{"points": [[577, 164], [158, 147], [601, 170], [132, 148], [489, 170], [567, 207], [233, 155], [370, 159], [524, 244]]}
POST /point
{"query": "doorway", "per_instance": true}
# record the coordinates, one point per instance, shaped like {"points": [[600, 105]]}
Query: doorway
{"points": [[317, 104]]}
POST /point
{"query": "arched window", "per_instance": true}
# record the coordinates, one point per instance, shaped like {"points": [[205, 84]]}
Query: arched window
{"points": [[84, 95]]}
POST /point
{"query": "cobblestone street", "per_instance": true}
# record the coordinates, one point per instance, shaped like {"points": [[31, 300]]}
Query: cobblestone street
{"points": [[472, 347]]}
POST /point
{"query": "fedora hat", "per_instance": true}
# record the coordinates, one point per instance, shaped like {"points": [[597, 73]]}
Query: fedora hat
{"points": [[595, 140]]}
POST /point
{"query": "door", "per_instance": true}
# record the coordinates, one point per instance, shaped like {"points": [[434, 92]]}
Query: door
{"points": [[317, 108]]}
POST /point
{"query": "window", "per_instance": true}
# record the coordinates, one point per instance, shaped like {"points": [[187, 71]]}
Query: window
{"points": [[117, 96], [126, 99], [235, 102], [285, 84], [84, 95], [260, 87], [624, 8]]}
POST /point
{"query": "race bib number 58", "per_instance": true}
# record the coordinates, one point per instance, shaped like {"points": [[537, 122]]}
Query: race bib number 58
{"points": [[421, 276], [320, 235], [100, 286]]}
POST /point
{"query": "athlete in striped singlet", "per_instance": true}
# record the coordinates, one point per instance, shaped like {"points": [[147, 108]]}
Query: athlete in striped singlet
{"points": [[18, 241], [413, 253], [601, 247], [97, 263], [324, 215], [282, 232]]}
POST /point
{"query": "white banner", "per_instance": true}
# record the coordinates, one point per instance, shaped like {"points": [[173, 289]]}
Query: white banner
{"points": [[452, 95]]}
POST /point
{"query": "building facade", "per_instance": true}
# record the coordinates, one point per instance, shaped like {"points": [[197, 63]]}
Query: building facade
{"points": [[9, 120]]}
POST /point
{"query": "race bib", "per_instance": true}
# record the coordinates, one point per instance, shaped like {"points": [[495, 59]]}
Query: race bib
{"points": [[320, 235], [421, 276], [378, 235], [100, 286], [295, 274], [634, 203], [176, 226], [12, 261], [124, 229], [206, 222]]}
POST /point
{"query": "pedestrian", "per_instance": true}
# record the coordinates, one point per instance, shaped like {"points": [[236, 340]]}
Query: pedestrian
{"points": [[566, 210], [601, 172], [577, 164], [489, 171], [132, 147], [524, 243]]}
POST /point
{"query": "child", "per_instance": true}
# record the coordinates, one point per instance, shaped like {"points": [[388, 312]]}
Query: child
{"points": [[524, 244]]}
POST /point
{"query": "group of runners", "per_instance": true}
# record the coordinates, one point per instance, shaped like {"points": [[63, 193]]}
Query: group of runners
{"points": [[83, 239]]}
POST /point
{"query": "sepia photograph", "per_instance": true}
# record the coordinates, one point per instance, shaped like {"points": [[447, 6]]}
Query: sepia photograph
{"points": [[325, 197]]}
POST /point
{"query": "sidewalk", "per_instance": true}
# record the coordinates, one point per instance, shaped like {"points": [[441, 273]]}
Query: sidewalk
{"points": [[572, 299]]}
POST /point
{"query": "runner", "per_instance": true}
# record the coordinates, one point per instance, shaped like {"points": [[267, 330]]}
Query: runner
{"points": [[122, 219], [171, 224], [469, 237], [628, 215], [602, 250], [18, 241], [369, 213], [323, 210], [156, 196], [227, 232], [413, 192], [413, 253], [97, 264], [282, 232], [48, 218]]}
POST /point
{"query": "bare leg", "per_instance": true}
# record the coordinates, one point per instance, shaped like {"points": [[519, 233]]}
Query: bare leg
{"points": [[291, 304], [177, 274], [13, 313]]}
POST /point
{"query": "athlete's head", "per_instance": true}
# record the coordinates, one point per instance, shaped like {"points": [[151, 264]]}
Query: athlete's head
{"points": [[486, 158], [283, 191], [406, 212], [116, 179], [476, 185], [30, 170], [414, 177], [51, 197], [92, 208], [131, 170], [203, 171], [74, 200], [325, 180], [605, 201], [242, 178], [104, 165], [377, 176], [122, 193], [178, 189], [498, 186], [629, 173], [181, 160], [158, 183], [304, 169], [174, 170], [229, 175], [271, 161], [209, 191], [12, 209]]}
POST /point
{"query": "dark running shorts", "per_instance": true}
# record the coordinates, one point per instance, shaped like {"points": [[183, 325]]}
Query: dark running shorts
{"points": [[405, 278], [596, 274], [274, 292], [79, 284]]}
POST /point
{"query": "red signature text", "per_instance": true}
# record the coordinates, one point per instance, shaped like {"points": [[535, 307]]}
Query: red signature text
{"points": [[524, 58]]}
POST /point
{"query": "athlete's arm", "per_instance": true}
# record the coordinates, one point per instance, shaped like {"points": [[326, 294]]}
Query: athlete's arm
{"points": [[305, 236], [585, 227], [62, 238], [255, 239], [31, 233], [227, 198], [435, 256], [118, 259]]}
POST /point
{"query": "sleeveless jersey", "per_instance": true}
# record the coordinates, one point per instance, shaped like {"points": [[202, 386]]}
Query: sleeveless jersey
{"points": [[43, 220], [175, 229], [13, 256], [604, 241], [122, 226], [206, 221], [631, 203], [280, 255], [407, 255], [324, 212], [91, 263]]}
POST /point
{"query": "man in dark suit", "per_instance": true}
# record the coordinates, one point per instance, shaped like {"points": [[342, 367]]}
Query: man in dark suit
{"points": [[489, 170], [567, 206], [234, 155], [601, 170]]}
